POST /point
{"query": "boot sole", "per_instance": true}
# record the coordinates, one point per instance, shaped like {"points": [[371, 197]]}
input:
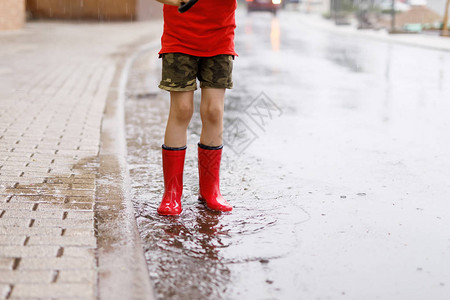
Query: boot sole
{"points": [[203, 201], [164, 214]]}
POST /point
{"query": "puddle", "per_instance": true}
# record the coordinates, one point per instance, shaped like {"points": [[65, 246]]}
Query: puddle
{"points": [[202, 254]]}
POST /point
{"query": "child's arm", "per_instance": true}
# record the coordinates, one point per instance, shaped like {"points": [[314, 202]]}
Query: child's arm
{"points": [[171, 2]]}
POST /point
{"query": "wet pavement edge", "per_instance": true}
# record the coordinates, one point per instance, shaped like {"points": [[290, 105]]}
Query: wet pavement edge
{"points": [[122, 267]]}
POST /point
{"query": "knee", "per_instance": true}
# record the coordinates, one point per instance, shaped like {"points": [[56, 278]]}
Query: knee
{"points": [[212, 113], [183, 112]]}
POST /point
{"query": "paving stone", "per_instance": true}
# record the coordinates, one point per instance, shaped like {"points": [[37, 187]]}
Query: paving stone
{"points": [[4, 290], [46, 186], [26, 151], [79, 232], [76, 276], [57, 263], [63, 223], [13, 164], [45, 192], [33, 162], [33, 214], [38, 199], [29, 191], [21, 180], [4, 198], [16, 240], [77, 186], [64, 241], [14, 222], [78, 251], [79, 199], [11, 205], [14, 277], [34, 298], [6, 263], [60, 180], [29, 251], [54, 290], [15, 156], [59, 206], [11, 173], [80, 215], [30, 231], [34, 174], [92, 176]]}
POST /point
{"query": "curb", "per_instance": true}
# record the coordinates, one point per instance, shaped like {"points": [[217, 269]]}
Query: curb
{"points": [[122, 270]]}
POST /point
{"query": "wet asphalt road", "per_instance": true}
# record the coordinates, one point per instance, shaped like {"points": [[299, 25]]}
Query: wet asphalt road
{"points": [[336, 161]]}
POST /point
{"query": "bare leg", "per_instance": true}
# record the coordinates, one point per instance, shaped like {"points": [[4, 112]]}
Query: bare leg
{"points": [[181, 110], [210, 149], [211, 112]]}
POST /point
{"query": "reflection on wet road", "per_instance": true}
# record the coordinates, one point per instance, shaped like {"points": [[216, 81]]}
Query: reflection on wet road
{"points": [[342, 185]]}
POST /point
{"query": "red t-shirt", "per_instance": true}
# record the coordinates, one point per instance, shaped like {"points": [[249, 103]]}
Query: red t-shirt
{"points": [[207, 29]]}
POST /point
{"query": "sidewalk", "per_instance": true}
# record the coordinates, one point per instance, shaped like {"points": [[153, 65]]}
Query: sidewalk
{"points": [[56, 205], [419, 40]]}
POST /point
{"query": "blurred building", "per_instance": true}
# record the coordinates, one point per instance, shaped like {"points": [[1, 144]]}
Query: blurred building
{"points": [[400, 6], [13, 12], [417, 17], [101, 10], [419, 14], [315, 6], [327, 6]]}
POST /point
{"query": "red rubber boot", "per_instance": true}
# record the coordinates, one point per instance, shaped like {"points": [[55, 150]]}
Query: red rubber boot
{"points": [[173, 165], [208, 171]]}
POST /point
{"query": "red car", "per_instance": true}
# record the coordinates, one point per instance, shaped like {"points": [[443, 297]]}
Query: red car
{"points": [[263, 5]]}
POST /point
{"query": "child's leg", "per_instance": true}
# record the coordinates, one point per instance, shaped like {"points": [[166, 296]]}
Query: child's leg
{"points": [[210, 148], [174, 151], [179, 72], [211, 112], [181, 110]]}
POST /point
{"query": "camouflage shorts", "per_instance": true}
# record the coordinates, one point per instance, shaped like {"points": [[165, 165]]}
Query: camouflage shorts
{"points": [[179, 72]]}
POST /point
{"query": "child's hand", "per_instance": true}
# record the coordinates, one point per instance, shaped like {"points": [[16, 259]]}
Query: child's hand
{"points": [[172, 2], [177, 2]]}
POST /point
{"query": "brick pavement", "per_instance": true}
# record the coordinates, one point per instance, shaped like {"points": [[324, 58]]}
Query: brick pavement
{"points": [[54, 82]]}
